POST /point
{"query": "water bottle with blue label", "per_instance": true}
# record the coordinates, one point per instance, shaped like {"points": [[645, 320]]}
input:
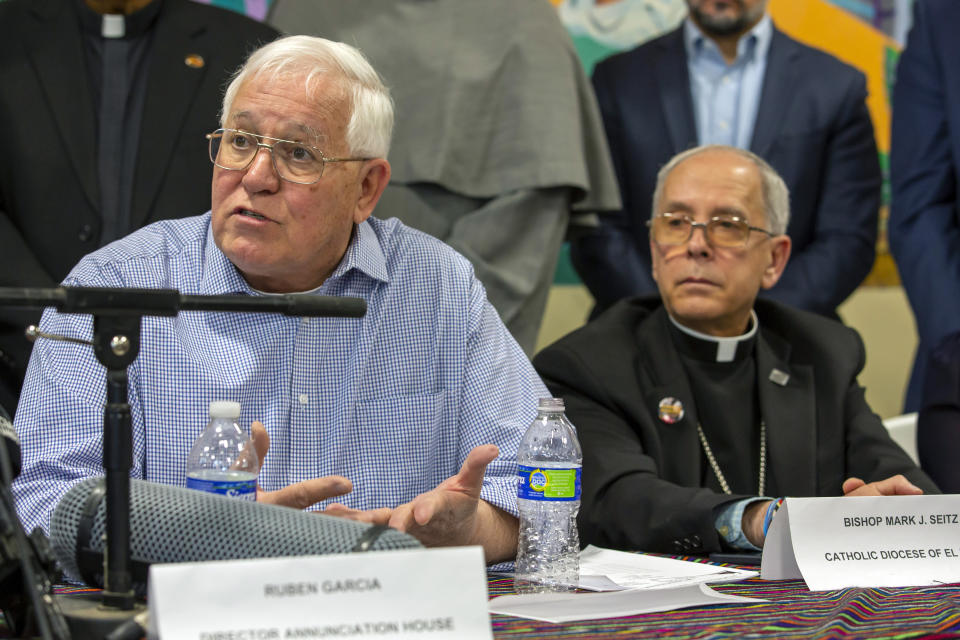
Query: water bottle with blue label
{"points": [[223, 459], [548, 497]]}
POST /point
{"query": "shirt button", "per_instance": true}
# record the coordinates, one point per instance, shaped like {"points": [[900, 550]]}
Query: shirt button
{"points": [[303, 398], [304, 320]]}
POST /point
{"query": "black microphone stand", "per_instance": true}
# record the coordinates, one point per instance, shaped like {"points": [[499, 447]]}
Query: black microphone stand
{"points": [[26, 564], [117, 315]]}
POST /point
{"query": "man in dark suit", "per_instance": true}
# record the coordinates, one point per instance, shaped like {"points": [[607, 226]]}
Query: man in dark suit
{"points": [[924, 225], [693, 408], [728, 76], [103, 115]]}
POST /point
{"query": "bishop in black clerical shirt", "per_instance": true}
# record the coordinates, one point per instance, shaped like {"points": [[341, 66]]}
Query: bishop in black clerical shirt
{"points": [[698, 410]]}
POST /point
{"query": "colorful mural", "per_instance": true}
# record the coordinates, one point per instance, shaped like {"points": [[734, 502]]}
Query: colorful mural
{"points": [[602, 28], [849, 29]]}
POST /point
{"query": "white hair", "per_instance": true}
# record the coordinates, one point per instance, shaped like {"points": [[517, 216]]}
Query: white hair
{"points": [[371, 108], [776, 196]]}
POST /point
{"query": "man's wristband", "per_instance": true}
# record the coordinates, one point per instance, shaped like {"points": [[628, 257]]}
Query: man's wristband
{"points": [[772, 509]]}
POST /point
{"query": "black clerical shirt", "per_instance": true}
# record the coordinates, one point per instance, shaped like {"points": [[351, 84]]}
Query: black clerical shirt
{"points": [[723, 379], [117, 54]]}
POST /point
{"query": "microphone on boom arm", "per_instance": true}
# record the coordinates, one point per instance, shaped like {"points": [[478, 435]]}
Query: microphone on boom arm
{"points": [[117, 314]]}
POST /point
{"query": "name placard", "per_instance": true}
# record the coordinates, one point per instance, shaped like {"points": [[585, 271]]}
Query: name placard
{"points": [[428, 593], [888, 541]]}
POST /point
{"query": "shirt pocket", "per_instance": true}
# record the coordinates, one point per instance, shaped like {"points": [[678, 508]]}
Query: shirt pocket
{"points": [[407, 444]]}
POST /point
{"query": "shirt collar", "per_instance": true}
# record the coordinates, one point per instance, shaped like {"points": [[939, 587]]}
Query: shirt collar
{"points": [[364, 254], [757, 40], [716, 349], [136, 24]]}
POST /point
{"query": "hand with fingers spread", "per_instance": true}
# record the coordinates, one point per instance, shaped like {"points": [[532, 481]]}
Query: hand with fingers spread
{"points": [[893, 486], [299, 495], [453, 513]]}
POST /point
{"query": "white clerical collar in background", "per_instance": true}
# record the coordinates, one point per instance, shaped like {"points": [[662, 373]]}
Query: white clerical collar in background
{"points": [[113, 25], [726, 347]]}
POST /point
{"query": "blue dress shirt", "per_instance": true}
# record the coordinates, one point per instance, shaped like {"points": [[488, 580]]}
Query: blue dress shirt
{"points": [[394, 401], [726, 96]]}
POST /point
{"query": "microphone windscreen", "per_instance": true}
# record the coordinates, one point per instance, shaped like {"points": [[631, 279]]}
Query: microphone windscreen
{"points": [[173, 524]]}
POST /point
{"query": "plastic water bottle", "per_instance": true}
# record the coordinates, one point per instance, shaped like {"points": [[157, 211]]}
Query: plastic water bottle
{"points": [[548, 496], [223, 459]]}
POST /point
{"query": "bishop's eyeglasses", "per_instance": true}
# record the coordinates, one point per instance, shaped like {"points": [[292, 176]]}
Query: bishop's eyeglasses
{"points": [[235, 150], [722, 231]]}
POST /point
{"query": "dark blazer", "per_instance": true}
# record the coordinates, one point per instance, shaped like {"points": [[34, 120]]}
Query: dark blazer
{"points": [[812, 126], [49, 200], [924, 227], [642, 477]]}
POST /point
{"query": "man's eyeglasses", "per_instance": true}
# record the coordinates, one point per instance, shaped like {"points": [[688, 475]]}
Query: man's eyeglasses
{"points": [[727, 231], [234, 150]]}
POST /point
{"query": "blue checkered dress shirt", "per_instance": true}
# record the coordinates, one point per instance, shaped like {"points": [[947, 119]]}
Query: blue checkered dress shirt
{"points": [[393, 401]]}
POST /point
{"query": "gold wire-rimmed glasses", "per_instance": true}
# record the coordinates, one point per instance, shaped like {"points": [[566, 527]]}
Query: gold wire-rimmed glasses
{"points": [[235, 150], [722, 231]]}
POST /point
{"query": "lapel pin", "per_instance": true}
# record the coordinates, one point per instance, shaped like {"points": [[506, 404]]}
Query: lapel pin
{"points": [[670, 410], [779, 377], [194, 61]]}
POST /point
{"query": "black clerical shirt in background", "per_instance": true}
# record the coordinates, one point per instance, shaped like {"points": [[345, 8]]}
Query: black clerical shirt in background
{"points": [[117, 55], [151, 162]]}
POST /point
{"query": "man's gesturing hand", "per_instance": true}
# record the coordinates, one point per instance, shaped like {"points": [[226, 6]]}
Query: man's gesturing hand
{"points": [[453, 513]]}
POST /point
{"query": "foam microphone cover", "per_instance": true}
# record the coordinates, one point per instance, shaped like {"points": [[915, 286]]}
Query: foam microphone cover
{"points": [[173, 524]]}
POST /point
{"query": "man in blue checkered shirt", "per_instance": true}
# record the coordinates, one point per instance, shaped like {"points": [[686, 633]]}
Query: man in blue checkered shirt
{"points": [[420, 404]]}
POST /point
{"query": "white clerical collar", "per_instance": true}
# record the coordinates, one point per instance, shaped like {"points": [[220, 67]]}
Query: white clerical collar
{"points": [[726, 346]]}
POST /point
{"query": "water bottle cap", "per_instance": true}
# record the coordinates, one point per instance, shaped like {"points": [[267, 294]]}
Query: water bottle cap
{"points": [[224, 409], [550, 404]]}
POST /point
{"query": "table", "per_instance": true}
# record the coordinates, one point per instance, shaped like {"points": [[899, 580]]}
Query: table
{"points": [[792, 613]]}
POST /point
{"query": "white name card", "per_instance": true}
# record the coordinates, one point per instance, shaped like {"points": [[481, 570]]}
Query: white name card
{"points": [[889, 541], [430, 593]]}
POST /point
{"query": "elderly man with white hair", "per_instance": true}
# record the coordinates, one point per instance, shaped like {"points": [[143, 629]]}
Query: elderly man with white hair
{"points": [[412, 415], [697, 409]]}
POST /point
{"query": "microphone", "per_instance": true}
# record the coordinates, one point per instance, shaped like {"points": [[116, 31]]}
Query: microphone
{"points": [[167, 302], [173, 524], [9, 449]]}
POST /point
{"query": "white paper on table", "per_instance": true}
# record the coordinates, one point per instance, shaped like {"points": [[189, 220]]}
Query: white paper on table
{"points": [[570, 607], [608, 570]]}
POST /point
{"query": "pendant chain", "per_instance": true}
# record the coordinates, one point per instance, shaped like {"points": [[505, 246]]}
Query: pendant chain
{"points": [[716, 467]]}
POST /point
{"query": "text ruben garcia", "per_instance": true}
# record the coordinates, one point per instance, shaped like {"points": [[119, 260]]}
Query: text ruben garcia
{"points": [[328, 587]]}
